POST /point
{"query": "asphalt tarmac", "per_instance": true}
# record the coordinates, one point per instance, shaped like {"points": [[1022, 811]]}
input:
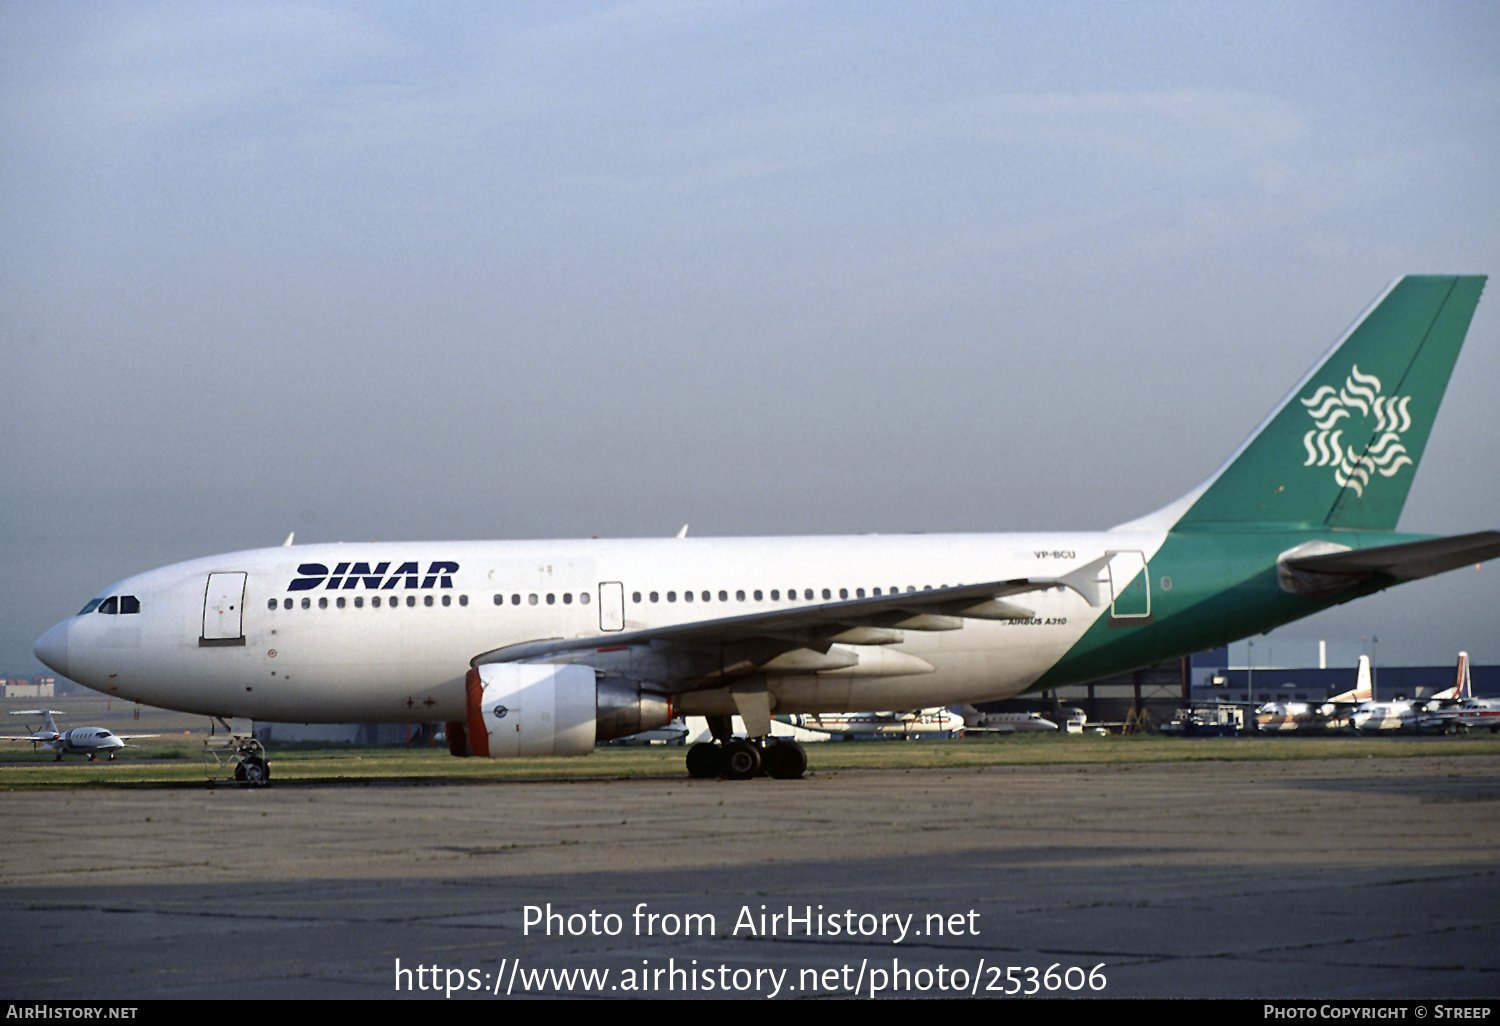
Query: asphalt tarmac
{"points": [[1370, 878]]}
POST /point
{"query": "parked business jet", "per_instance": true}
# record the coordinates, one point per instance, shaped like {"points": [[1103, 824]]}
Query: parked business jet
{"points": [[545, 648], [90, 741], [976, 722], [848, 726]]}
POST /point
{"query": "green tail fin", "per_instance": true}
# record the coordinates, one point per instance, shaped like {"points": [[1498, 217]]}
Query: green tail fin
{"points": [[1341, 449]]}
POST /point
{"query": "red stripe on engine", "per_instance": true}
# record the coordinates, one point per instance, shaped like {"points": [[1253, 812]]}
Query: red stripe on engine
{"points": [[479, 737]]}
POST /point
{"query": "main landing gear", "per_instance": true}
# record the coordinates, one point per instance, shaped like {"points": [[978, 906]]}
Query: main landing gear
{"points": [[741, 759]]}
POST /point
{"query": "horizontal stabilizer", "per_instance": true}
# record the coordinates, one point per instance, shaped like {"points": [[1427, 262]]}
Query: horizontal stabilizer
{"points": [[1408, 561]]}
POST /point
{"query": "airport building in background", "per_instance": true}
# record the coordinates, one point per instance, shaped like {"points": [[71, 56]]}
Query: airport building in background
{"points": [[1256, 670], [30, 687]]}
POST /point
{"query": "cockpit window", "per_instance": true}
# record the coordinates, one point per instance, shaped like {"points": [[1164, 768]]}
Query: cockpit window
{"points": [[111, 605], [93, 605], [130, 604]]}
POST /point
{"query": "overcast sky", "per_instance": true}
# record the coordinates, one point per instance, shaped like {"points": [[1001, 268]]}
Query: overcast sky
{"points": [[401, 271]]}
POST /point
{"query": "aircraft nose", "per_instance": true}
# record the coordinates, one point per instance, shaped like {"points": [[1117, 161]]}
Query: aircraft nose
{"points": [[52, 648]]}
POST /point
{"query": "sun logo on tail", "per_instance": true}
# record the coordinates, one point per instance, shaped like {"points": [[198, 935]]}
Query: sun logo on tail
{"points": [[1383, 454]]}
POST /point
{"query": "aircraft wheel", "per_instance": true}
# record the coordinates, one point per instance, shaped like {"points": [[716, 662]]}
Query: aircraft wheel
{"points": [[253, 772], [705, 761], [741, 760], [786, 761]]}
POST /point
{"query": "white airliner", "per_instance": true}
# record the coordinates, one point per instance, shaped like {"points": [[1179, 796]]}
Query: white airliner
{"points": [[89, 741], [1454, 709], [544, 648]]}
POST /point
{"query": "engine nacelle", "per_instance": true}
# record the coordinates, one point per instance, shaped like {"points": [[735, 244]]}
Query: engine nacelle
{"points": [[536, 709]]}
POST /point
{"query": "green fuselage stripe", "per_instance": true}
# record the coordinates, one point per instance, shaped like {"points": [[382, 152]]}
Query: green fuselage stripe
{"points": [[1208, 588]]}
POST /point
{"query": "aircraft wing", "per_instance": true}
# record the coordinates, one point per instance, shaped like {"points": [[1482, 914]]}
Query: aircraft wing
{"points": [[802, 639], [1408, 561]]}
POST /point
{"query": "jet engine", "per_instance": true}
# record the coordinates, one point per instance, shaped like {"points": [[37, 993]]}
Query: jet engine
{"points": [[533, 709]]}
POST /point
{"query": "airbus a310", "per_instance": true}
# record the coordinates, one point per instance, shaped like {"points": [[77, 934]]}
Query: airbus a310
{"points": [[544, 648]]}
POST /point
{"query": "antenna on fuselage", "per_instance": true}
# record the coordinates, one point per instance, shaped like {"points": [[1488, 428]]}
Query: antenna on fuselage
{"points": [[683, 533], [288, 543]]}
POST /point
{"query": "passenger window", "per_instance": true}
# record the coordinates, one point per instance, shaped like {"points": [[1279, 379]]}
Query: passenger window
{"points": [[271, 604], [724, 596], [515, 600], [707, 596], [671, 596], [739, 596], [499, 600], [426, 600], [859, 593], [411, 600], [583, 597], [463, 600], [775, 595], [653, 596], [286, 604], [635, 597], [307, 603], [447, 600], [567, 598], [340, 602], [531, 599], [807, 594], [843, 593], [687, 596], [551, 599], [375, 601], [758, 595], [359, 602], [322, 603], [827, 594]]}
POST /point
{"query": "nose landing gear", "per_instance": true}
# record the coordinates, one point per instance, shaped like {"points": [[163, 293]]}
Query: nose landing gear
{"points": [[240, 750]]}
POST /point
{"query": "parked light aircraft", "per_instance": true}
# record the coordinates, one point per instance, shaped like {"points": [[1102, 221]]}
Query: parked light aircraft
{"points": [[90, 741], [544, 648]]}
